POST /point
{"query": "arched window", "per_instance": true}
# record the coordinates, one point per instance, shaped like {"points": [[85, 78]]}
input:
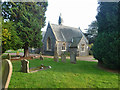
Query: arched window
{"points": [[63, 46], [83, 47], [48, 43]]}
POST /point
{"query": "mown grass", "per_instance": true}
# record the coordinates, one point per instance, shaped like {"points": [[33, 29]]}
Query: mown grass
{"points": [[84, 74]]}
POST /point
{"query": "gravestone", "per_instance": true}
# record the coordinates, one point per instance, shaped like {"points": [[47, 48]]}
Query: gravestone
{"points": [[63, 56], [25, 66], [9, 56], [73, 48], [6, 72], [73, 55], [56, 57], [41, 57]]}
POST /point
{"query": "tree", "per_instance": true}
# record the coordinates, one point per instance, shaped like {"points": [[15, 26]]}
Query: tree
{"points": [[107, 17], [92, 32], [0, 34], [10, 39], [105, 48], [29, 18]]}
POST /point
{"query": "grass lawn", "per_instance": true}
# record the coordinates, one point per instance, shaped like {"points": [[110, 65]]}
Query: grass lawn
{"points": [[84, 74]]}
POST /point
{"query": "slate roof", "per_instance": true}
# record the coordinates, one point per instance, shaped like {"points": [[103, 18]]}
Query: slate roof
{"points": [[66, 33], [75, 42]]}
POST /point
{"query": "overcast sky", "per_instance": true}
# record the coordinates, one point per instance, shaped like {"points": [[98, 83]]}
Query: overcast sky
{"points": [[75, 13]]}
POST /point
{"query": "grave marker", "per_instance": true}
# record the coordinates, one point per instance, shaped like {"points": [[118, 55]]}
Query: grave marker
{"points": [[56, 57], [6, 72], [73, 55], [41, 57], [63, 56], [25, 66]]}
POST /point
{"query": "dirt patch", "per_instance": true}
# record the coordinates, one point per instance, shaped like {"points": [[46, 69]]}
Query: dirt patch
{"points": [[36, 69]]}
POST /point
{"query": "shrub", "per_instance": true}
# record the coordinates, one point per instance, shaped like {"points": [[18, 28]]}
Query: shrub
{"points": [[90, 49], [105, 49]]}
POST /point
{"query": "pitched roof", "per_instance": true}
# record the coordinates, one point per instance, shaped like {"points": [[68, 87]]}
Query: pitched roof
{"points": [[75, 42], [66, 33]]}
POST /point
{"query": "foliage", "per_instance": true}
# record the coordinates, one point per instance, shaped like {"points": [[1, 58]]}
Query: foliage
{"points": [[105, 48], [0, 32], [107, 17], [90, 49], [29, 18], [0, 29], [10, 39], [84, 74], [92, 32]]}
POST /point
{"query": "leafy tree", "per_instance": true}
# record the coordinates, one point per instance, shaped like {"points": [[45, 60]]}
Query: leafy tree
{"points": [[92, 32], [10, 39], [105, 48], [29, 18]]}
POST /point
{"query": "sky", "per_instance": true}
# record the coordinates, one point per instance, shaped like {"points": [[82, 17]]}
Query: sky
{"points": [[75, 13]]}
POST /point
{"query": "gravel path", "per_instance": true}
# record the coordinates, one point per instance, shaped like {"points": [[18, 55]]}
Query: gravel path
{"points": [[82, 58]]}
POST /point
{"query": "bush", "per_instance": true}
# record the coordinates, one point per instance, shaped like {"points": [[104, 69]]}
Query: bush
{"points": [[90, 49], [105, 49]]}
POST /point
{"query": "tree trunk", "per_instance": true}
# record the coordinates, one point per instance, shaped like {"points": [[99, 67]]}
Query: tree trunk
{"points": [[26, 52], [100, 63]]}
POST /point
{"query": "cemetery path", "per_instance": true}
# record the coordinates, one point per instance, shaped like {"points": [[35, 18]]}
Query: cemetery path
{"points": [[82, 58]]}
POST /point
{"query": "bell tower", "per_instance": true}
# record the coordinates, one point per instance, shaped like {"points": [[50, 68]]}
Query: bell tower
{"points": [[60, 21]]}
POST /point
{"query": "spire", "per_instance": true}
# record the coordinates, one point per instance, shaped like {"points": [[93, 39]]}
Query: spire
{"points": [[60, 21]]}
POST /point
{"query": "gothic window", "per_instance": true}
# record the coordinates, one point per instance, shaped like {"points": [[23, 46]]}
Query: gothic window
{"points": [[63, 46], [83, 47], [48, 43]]}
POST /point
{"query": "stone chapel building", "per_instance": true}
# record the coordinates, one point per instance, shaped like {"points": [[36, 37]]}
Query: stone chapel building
{"points": [[64, 37]]}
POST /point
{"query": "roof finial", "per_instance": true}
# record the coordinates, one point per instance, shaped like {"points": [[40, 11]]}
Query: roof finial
{"points": [[60, 21]]}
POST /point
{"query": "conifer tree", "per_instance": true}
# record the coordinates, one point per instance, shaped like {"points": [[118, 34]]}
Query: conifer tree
{"points": [[105, 48], [29, 18]]}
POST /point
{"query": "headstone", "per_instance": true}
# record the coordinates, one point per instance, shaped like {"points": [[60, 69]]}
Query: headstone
{"points": [[56, 57], [9, 56], [63, 57], [41, 57], [73, 55], [25, 66], [6, 72]]}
